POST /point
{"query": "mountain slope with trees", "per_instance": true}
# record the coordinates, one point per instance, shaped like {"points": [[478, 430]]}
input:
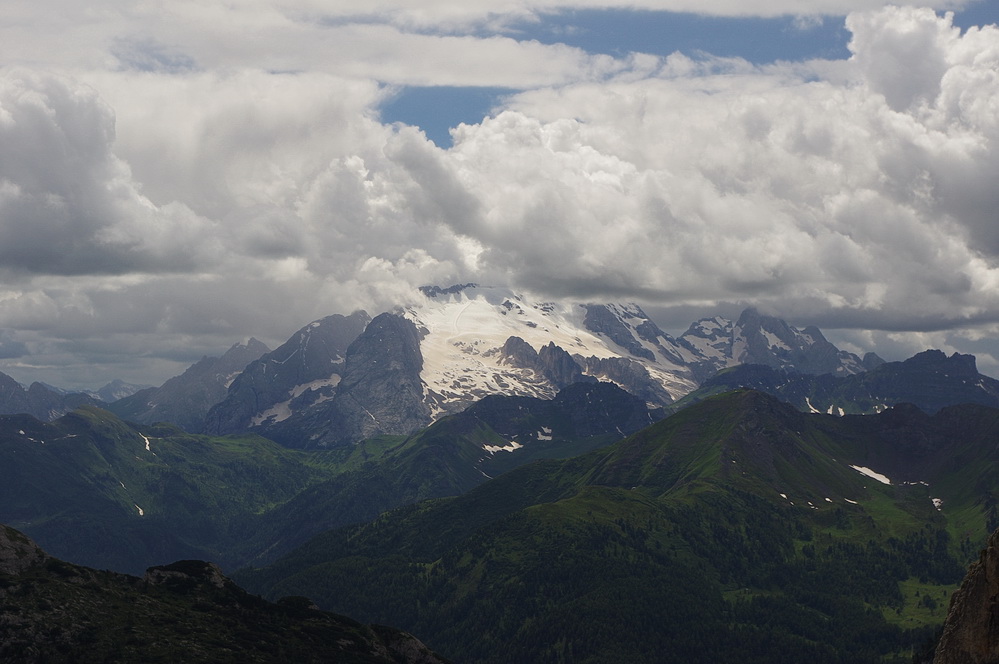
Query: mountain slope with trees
{"points": [[96, 490], [737, 530]]}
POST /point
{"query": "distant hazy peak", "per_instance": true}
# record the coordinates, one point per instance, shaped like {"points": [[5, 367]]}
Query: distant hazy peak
{"points": [[434, 291]]}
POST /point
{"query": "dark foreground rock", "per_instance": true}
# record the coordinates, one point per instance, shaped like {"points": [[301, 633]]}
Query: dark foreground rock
{"points": [[971, 632], [52, 611]]}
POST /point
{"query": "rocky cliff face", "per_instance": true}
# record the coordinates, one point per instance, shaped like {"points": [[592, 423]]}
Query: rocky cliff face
{"points": [[305, 369], [552, 363], [381, 391], [378, 392], [971, 632]]}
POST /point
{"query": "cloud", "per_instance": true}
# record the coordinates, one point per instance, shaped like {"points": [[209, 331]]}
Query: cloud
{"points": [[902, 53], [760, 184], [271, 201], [187, 186], [476, 14], [67, 203], [10, 346], [151, 56]]}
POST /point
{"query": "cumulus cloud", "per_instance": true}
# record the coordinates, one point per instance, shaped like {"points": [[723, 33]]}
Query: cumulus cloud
{"points": [[275, 200], [765, 185], [67, 203], [182, 188]]}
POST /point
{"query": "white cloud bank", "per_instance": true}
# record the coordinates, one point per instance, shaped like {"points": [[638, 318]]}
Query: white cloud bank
{"points": [[167, 191]]}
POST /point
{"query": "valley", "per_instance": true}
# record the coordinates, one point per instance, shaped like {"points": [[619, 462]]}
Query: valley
{"points": [[593, 490]]}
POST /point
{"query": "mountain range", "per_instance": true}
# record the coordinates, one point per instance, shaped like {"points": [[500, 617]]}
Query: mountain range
{"points": [[47, 402], [929, 380], [184, 400], [38, 399], [847, 532], [538, 481], [342, 379]]}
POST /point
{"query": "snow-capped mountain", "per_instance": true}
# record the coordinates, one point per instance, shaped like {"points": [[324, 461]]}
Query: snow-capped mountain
{"points": [[341, 379], [478, 341], [759, 339]]}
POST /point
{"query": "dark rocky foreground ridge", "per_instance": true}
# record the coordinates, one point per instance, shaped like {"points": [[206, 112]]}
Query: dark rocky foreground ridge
{"points": [[52, 611], [971, 633]]}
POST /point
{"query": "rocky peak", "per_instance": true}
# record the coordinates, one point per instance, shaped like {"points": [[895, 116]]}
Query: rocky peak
{"points": [[18, 552], [937, 360], [518, 353], [971, 631], [381, 391], [241, 354], [559, 367], [757, 338], [872, 361], [312, 358], [601, 320]]}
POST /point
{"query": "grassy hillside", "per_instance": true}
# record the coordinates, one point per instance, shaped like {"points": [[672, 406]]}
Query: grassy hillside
{"points": [[98, 491], [736, 530], [94, 489]]}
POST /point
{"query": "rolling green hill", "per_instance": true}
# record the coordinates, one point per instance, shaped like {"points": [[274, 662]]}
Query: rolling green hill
{"points": [[736, 530], [96, 490]]}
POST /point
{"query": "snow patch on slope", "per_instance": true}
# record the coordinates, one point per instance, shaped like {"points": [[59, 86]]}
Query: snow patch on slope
{"points": [[279, 412], [872, 474], [510, 447], [299, 390]]}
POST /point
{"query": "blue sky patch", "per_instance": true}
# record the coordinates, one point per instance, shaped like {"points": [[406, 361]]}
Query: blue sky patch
{"points": [[758, 40], [437, 109], [618, 32]]}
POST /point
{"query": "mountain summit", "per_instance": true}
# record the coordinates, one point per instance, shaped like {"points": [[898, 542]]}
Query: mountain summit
{"points": [[341, 379]]}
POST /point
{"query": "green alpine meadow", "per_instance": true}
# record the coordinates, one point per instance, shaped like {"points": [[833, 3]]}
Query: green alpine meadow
{"points": [[736, 530], [98, 491]]}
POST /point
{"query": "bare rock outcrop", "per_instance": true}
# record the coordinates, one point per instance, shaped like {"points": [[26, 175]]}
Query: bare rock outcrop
{"points": [[18, 552], [971, 632]]}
